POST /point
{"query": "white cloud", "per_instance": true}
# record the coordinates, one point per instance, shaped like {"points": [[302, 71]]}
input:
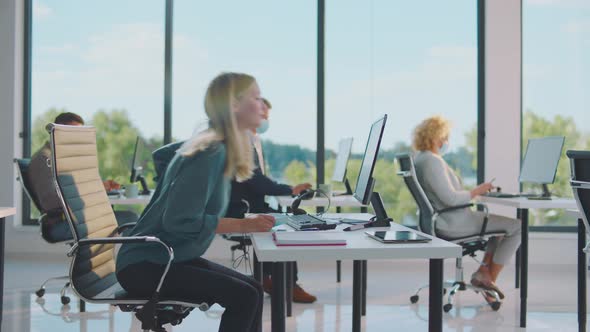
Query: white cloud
{"points": [[581, 27], [561, 3], [41, 11], [67, 48], [443, 81]]}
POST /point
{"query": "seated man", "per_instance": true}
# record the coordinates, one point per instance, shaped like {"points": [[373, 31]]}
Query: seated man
{"points": [[43, 188], [253, 191]]}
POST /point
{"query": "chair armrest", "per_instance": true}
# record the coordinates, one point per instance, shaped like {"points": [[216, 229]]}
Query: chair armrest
{"points": [[128, 239], [457, 207], [462, 206], [579, 184], [125, 226]]}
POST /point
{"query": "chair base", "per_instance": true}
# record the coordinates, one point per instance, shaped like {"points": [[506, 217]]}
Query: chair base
{"points": [[164, 314], [452, 287], [64, 299]]}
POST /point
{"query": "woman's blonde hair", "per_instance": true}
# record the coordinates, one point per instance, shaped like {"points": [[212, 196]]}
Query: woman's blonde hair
{"points": [[429, 130], [224, 90]]}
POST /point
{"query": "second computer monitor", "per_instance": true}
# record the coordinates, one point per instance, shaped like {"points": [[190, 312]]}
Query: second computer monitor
{"points": [[364, 183], [344, 147], [541, 159]]}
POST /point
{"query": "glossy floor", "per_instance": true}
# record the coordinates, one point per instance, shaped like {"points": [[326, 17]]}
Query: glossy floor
{"points": [[552, 302]]}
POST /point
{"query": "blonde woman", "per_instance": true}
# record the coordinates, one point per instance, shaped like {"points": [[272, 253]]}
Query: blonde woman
{"points": [[187, 208], [444, 189]]}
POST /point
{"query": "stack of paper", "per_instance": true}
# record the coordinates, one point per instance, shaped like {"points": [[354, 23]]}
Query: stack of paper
{"points": [[308, 239]]}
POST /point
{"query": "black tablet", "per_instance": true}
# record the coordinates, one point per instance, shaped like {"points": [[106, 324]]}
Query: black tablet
{"points": [[397, 237]]}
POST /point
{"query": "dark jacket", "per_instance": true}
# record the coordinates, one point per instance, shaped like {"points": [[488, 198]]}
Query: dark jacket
{"points": [[253, 191]]}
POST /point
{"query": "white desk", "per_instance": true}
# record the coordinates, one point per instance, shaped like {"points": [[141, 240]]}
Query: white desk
{"points": [[4, 212], [122, 200], [523, 205], [359, 248]]}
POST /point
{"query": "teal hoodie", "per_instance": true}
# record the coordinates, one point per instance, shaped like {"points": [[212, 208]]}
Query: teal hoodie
{"points": [[184, 211]]}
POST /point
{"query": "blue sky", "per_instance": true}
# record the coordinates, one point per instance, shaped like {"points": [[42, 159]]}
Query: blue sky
{"points": [[410, 59]]}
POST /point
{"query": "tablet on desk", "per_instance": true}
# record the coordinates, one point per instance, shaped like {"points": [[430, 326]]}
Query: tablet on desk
{"points": [[397, 237]]}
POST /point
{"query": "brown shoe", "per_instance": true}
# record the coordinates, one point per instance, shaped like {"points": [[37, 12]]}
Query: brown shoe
{"points": [[478, 280], [267, 285], [301, 296]]}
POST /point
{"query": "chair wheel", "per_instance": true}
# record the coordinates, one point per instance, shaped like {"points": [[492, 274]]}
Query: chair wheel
{"points": [[40, 292], [65, 300], [495, 305], [447, 307], [414, 298]]}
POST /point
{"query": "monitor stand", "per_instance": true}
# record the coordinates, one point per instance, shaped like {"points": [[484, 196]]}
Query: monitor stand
{"points": [[144, 187], [381, 217], [545, 195], [348, 189]]}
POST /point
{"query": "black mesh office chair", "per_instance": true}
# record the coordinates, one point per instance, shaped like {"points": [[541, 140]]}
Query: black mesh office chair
{"points": [[95, 232], [427, 224], [580, 182], [46, 233]]}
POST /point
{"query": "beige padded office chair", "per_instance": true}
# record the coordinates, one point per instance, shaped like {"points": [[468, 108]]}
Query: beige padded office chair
{"points": [[95, 231], [427, 224]]}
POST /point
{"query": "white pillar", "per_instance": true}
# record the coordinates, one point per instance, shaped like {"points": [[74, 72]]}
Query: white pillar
{"points": [[503, 95]]}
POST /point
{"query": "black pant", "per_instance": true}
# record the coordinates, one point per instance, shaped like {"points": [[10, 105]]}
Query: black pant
{"points": [[198, 281]]}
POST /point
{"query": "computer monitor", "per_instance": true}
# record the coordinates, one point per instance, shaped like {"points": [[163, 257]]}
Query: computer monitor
{"points": [[339, 175], [136, 169], [540, 161], [365, 182]]}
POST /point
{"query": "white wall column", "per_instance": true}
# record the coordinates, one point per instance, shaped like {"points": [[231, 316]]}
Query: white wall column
{"points": [[503, 95]]}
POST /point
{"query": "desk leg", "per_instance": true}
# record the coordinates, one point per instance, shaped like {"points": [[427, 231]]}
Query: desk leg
{"points": [[257, 268], [257, 271], [524, 264], [517, 269], [357, 288], [277, 300], [289, 287], [435, 296], [338, 262], [364, 294], [581, 276], [517, 260], [2, 222]]}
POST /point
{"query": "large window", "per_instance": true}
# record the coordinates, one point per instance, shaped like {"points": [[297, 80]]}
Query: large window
{"points": [[272, 40], [411, 60], [103, 60], [556, 81]]}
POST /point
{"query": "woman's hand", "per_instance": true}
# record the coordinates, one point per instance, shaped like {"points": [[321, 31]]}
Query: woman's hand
{"points": [[300, 187], [482, 189], [258, 223]]}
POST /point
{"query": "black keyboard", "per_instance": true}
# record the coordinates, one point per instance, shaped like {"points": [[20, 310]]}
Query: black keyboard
{"points": [[306, 221], [500, 194]]}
